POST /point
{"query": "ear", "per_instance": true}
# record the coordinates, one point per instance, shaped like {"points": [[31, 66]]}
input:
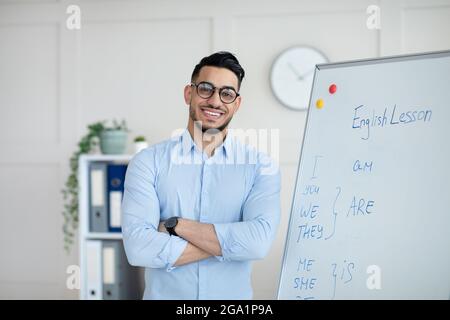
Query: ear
{"points": [[188, 94], [237, 104]]}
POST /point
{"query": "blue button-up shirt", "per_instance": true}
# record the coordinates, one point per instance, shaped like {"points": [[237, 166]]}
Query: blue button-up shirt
{"points": [[237, 190]]}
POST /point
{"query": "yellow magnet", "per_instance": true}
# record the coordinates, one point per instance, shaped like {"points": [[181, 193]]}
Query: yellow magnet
{"points": [[319, 103]]}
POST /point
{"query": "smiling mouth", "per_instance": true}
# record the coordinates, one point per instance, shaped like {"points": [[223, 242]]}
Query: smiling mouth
{"points": [[212, 114]]}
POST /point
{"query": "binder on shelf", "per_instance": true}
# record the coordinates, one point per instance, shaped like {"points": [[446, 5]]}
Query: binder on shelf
{"points": [[98, 200], [116, 179], [119, 278], [94, 270], [110, 270], [106, 272]]}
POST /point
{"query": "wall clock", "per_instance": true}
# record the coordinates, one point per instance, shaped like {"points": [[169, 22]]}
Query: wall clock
{"points": [[292, 75]]}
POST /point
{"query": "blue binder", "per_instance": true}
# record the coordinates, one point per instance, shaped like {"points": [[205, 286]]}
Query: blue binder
{"points": [[116, 179]]}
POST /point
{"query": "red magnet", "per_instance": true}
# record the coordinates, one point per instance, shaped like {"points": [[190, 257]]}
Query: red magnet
{"points": [[332, 88]]}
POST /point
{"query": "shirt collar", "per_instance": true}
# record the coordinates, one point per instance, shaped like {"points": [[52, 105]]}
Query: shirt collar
{"points": [[188, 144]]}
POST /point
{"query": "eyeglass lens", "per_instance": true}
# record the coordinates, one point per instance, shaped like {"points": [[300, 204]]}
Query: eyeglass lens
{"points": [[206, 90]]}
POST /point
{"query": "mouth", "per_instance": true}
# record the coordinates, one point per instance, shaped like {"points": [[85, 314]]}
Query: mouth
{"points": [[212, 114]]}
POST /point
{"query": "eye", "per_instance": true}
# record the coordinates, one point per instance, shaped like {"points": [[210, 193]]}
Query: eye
{"points": [[227, 93], [205, 88]]}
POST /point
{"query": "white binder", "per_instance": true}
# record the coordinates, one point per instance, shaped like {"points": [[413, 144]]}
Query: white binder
{"points": [[115, 213], [98, 206], [110, 267], [94, 270]]}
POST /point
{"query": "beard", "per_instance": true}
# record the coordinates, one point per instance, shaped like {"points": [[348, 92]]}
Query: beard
{"points": [[202, 126]]}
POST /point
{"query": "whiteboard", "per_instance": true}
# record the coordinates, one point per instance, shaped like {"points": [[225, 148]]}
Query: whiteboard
{"points": [[370, 217]]}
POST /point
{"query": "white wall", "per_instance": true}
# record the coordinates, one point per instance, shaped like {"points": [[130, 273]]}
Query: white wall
{"points": [[131, 60]]}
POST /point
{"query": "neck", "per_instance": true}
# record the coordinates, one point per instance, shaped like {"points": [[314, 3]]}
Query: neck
{"points": [[206, 141]]}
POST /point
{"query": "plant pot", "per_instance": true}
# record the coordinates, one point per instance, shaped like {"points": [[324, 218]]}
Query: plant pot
{"points": [[113, 141], [138, 146]]}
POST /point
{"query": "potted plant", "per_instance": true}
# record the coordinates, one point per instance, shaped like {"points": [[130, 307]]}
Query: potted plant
{"points": [[113, 140], [70, 191], [140, 143]]}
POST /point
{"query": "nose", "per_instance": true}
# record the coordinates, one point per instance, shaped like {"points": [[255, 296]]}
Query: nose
{"points": [[214, 100]]}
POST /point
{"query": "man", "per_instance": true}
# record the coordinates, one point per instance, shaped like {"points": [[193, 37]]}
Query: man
{"points": [[197, 209]]}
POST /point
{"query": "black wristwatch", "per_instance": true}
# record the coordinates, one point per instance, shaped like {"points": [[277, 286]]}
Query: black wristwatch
{"points": [[170, 225]]}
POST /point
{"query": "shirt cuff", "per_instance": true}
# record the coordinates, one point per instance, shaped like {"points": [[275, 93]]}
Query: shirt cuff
{"points": [[222, 230], [176, 249]]}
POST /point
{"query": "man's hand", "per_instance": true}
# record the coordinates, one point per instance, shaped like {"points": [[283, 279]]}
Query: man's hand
{"points": [[201, 235], [161, 227], [190, 254]]}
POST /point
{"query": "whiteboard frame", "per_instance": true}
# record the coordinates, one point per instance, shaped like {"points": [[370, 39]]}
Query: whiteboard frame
{"points": [[387, 59], [348, 63]]}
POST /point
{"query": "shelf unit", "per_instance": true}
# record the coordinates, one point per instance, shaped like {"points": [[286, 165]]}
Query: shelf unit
{"points": [[83, 212]]}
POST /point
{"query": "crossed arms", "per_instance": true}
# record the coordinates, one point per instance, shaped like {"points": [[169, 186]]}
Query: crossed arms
{"points": [[148, 245], [201, 237]]}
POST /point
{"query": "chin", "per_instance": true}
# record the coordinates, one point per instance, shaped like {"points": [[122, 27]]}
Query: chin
{"points": [[206, 128]]}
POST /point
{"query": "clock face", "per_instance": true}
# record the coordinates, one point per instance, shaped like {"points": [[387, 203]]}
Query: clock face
{"points": [[292, 76]]}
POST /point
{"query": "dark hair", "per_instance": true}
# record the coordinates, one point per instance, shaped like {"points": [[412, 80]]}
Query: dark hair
{"points": [[221, 59]]}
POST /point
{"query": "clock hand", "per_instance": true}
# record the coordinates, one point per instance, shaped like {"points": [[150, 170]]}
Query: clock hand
{"points": [[302, 77], [294, 70]]}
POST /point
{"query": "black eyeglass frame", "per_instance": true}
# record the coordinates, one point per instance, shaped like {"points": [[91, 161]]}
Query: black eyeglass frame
{"points": [[214, 91]]}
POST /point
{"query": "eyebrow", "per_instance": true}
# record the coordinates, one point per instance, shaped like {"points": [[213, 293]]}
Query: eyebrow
{"points": [[228, 87], [224, 87]]}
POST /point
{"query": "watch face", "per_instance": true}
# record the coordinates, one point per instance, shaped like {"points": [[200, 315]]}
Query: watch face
{"points": [[292, 76], [171, 222]]}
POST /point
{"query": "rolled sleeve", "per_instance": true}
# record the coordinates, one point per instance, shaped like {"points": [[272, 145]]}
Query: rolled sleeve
{"points": [[144, 245], [177, 246], [251, 238]]}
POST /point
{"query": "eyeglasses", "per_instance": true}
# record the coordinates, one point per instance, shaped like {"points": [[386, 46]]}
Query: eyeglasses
{"points": [[206, 90]]}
